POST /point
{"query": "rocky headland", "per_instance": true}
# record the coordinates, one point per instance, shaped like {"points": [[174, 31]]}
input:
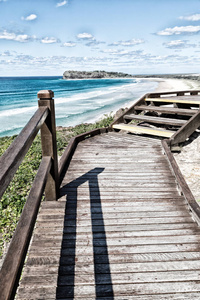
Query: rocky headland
{"points": [[94, 75]]}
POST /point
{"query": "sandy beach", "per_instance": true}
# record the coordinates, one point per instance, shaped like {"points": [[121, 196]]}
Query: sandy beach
{"points": [[165, 85]]}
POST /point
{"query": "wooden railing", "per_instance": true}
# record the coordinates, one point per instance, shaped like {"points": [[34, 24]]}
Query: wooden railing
{"points": [[48, 179], [183, 186]]}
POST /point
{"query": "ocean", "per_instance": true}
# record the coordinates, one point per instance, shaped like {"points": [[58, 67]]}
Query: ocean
{"points": [[76, 101]]}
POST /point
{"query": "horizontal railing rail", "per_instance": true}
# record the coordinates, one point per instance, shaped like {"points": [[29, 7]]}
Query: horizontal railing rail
{"points": [[185, 190], [13, 263], [177, 93], [46, 179], [12, 158]]}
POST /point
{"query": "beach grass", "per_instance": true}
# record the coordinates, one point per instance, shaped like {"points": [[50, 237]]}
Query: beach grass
{"points": [[12, 202]]}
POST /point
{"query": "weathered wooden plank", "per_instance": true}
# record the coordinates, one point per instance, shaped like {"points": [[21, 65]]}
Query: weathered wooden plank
{"points": [[48, 292], [144, 130], [172, 276], [163, 220], [42, 258], [167, 110], [120, 138], [125, 185], [130, 289], [175, 202], [114, 234], [184, 100], [155, 120], [103, 190], [117, 268], [154, 170], [176, 94], [166, 296], [185, 239], [122, 182], [113, 215], [118, 250], [113, 228], [116, 209]]}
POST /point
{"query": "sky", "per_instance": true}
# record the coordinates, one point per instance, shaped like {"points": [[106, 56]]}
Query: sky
{"points": [[48, 37]]}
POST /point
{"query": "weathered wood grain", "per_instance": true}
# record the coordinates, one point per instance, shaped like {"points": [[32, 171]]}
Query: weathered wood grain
{"points": [[144, 130], [184, 99], [167, 110], [157, 120]]}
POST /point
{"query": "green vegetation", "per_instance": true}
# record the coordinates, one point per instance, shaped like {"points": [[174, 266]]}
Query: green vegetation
{"points": [[12, 202]]}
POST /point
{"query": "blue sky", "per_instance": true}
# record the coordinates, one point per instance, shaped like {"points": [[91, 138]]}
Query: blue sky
{"points": [[47, 37]]}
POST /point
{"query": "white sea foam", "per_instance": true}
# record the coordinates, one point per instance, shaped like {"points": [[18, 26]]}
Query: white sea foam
{"points": [[17, 111]]}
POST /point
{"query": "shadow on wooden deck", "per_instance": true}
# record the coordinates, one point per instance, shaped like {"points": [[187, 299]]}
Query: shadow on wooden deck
{"points": [[66, 277]]}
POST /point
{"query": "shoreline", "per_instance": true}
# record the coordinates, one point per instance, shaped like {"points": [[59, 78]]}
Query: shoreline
{"points": [[163, 85]]}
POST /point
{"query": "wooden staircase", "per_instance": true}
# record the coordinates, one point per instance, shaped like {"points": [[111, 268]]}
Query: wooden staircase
{"points": [[168, 115]]}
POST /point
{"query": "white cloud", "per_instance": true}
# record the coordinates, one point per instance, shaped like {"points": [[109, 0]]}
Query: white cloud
{"points": [[128, 43], [122, 53], [180, 30], [195, 17], [3, 0], [94, 43], [29, 18], [85, 36], [49, 40], [69, 44], [178, 44], [12, 36], [59, 4], [6, 53]]}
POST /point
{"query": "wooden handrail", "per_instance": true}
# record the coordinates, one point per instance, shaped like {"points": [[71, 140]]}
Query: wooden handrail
{"points": [[14, 260], [46, 178], [49, 147], [193, 205], [12, 158]]}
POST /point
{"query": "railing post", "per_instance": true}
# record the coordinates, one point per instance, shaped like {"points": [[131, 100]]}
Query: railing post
{"points": [[49, 147]]}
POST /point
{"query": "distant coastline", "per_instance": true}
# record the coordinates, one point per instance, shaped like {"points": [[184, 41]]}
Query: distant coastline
{"points": [[94, 75]]}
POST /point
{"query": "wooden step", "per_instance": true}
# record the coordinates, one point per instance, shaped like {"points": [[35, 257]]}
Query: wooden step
{"points": [[174, 100], [167, 110], [158, 120], [145, 130]]}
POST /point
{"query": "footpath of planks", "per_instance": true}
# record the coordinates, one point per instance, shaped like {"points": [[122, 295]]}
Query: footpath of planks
{"points": [[121, 229]]}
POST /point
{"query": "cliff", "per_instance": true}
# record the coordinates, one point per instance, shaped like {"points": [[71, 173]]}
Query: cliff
{"points": [[94, 75]]}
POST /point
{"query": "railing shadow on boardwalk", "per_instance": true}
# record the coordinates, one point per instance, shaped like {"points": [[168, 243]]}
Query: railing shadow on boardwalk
{"points": [[102, 274]]}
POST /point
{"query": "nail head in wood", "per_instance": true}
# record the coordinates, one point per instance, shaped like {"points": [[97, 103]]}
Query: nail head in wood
{"points": [[45, 94]]}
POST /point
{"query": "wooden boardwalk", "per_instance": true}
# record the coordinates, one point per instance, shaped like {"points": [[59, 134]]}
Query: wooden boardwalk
{"points": [[121, 229]]}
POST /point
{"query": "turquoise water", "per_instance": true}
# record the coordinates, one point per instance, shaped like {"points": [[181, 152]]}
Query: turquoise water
{"points": [[76, 101]]}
